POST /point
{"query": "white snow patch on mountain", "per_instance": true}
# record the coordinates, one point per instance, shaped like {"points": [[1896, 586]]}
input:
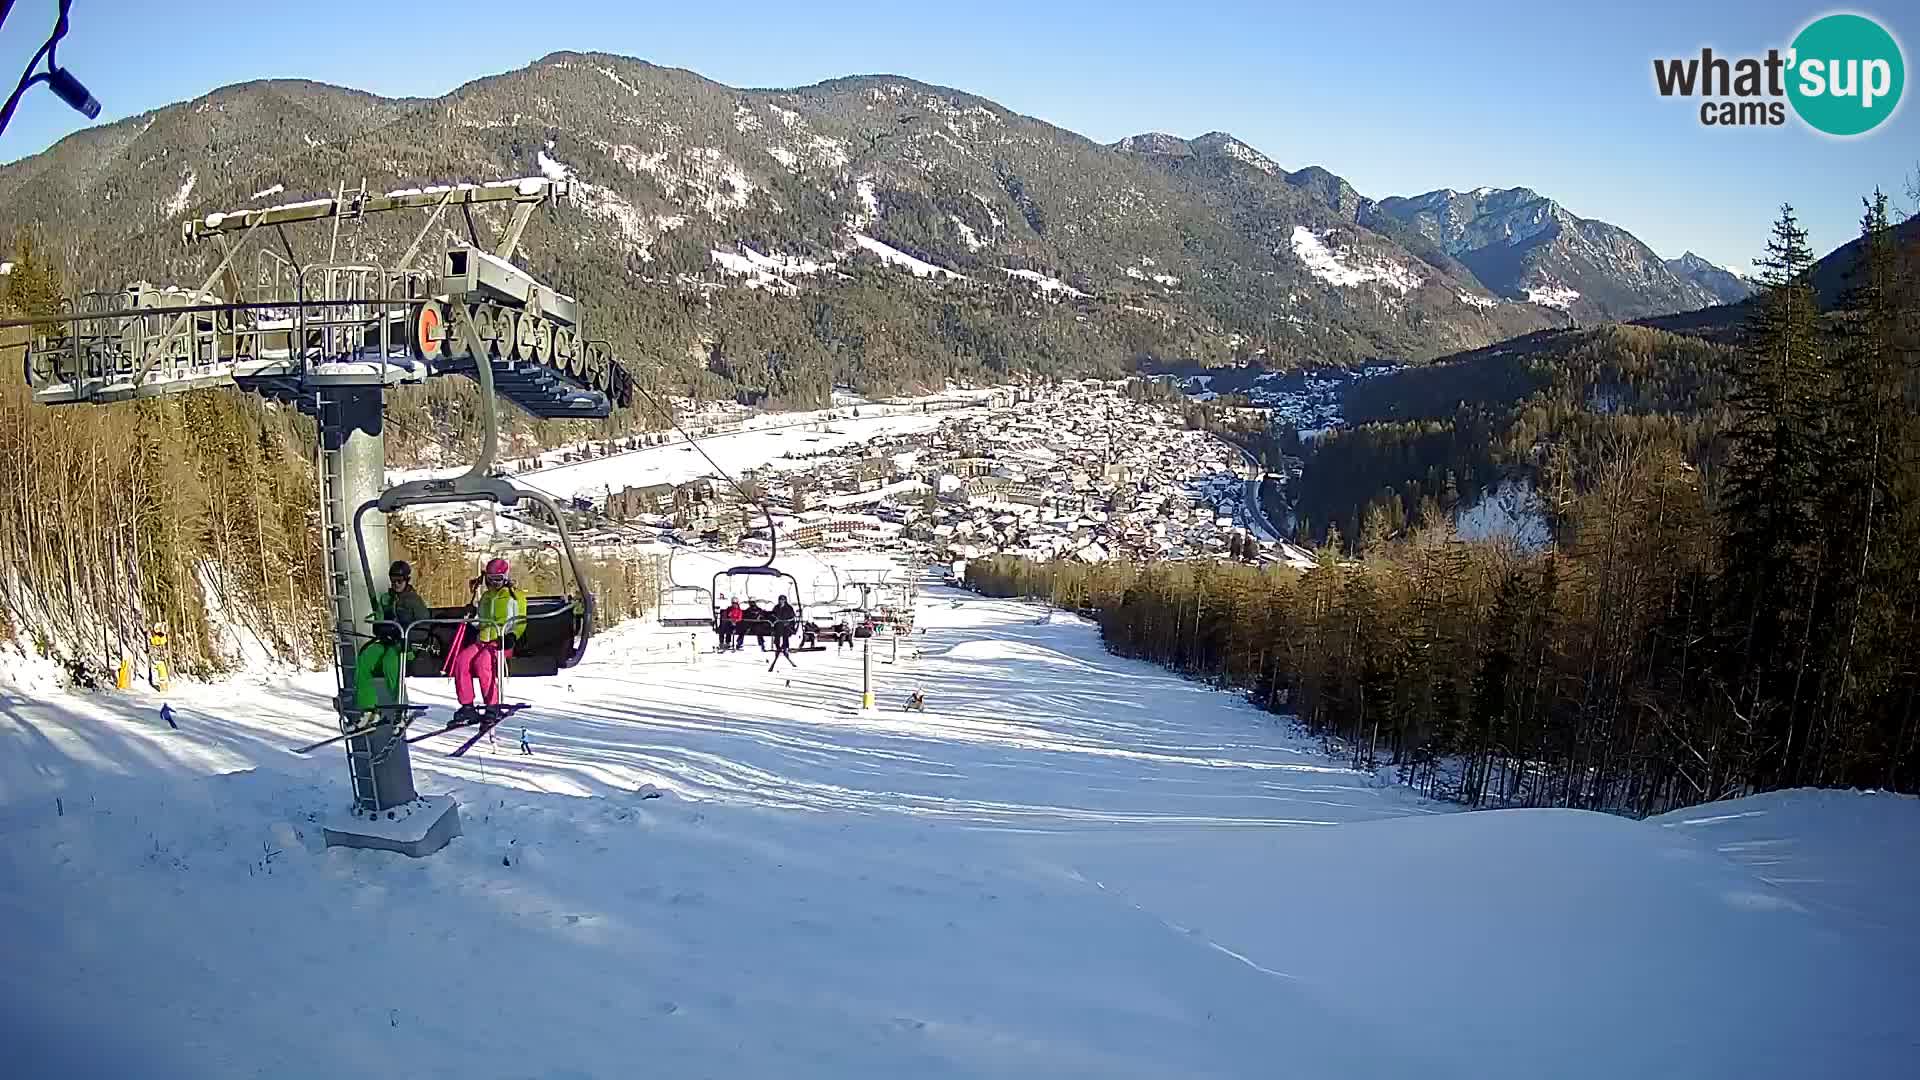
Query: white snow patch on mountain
{"points": [[1346, 268], [1471, 300], [831, 152], [633, 159], [1513, 511], [968, 236], [1166, 279], [178, 202], [744, 121], [787, 116], [1240, 151], [869, 203], [900, 258], [618, 81], [757, 277], [1046, 284], [702, 176], [608, 205], [784, 156], [1134, 272], [774, 264], [274, 190], [1552, 295]]}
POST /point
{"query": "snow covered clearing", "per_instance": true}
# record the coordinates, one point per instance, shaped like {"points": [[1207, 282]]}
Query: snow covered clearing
{"points": [[1552, 295], [178, 201], [869, 203], [900, 258], [1069, 865], [1471, 300], [617, 80], [1345, 268], [1046, 284], [1514, 511]]}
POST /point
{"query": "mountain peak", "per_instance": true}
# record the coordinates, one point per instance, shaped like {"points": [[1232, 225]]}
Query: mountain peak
{"points": [[1155, 142], [1219, 142], [1725, 285]]}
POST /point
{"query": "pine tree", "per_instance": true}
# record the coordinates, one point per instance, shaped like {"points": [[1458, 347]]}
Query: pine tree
{"points": [[1768, 488]]}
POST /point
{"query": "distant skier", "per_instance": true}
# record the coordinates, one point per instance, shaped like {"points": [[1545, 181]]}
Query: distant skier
{"points": [[500, 612], [916, 702], [842, 636], [399, 607], [524, 748]]}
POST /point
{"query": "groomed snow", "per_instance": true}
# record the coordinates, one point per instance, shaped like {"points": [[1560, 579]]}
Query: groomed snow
{"points": [[1069, 865], [1346, 269]]}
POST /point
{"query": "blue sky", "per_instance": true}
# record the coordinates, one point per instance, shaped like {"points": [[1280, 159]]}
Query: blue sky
{"points": [[1398, 98]]}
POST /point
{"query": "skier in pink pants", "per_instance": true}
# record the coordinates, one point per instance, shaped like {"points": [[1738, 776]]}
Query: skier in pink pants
{"points": [[500, 612]]}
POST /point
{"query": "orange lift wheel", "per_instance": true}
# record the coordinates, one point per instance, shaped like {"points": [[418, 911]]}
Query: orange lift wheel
{"points": [[427, 333]]}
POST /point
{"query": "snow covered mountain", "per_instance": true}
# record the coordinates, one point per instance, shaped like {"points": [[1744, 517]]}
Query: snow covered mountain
{"points": [[1070, 865], [874, 193], [1727, 286], [1523, 245]]}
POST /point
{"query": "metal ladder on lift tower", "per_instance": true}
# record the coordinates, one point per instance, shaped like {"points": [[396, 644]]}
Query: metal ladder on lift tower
{"points": [[360, 755]]}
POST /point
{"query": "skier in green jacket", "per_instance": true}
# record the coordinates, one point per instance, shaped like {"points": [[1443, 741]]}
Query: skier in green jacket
{"points": [[386, 656]]}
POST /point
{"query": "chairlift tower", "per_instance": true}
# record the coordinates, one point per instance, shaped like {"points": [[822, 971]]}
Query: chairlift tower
{"points": [[867, 581], [330, 338]]}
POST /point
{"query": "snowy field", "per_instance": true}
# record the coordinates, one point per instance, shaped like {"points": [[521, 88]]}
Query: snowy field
{"points": [[679, 462], [1071, 865]]}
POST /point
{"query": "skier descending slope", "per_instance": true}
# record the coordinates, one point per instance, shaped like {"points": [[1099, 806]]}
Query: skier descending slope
{"points": [[501, 611]]}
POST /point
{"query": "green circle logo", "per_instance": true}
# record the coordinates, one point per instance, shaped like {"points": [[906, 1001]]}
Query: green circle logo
{"points": [[1847, 74]]}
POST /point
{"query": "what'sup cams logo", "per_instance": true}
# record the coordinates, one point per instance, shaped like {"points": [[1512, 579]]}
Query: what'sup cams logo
{"points": [[1842, 75]]}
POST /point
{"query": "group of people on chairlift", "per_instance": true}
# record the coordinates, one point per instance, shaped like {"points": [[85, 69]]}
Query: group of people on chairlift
{"points": [[497, 617], [737, 621]]}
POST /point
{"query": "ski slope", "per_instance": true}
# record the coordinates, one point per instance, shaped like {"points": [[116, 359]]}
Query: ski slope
{"points": [[1070, 865]]}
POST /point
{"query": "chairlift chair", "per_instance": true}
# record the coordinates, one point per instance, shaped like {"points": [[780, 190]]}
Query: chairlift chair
{"points": [[556, 628]]}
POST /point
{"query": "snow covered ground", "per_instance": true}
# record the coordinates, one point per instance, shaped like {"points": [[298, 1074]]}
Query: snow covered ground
{"points": [[755, 447], [1070, 865]]}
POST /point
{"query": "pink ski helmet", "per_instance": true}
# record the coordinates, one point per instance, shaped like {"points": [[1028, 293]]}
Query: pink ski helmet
{"points": [[497, 568]]}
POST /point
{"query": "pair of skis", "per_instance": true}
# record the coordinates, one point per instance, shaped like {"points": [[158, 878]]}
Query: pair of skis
{"points": [[387, 713], [490, 718]]}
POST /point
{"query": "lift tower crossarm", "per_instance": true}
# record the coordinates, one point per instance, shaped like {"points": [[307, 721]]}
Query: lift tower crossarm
{"points": [[528, 190]]}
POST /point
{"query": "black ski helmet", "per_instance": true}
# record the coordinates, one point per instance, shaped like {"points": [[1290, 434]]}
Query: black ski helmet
{"points": [[400, 569]]}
